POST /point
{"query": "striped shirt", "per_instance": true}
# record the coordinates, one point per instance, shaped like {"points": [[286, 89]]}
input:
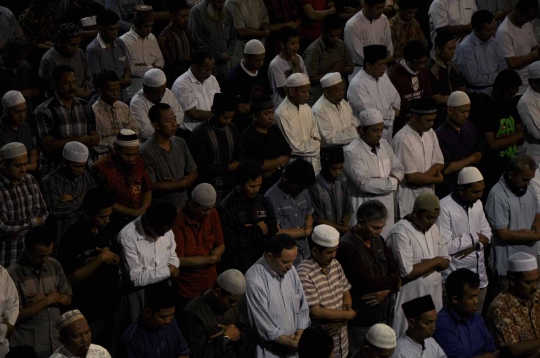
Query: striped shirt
{"points": [[276, 306], [326, 290]]}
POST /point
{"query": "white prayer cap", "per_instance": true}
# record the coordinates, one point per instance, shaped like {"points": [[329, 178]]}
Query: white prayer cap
{"points": [[381, 336], [534, 70], [469, 175], [297, 80], [232, 281], [458, 98], [68, 318], [75, 152], [204, 194], [331, 79], [522, 262], [369, 117], [325, 235], [12, 99], [254, 47], [127, 138], [12, 150], [154, 78]]}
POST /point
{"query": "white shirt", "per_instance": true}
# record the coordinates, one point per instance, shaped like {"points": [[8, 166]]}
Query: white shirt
{"points": [[417, 154], [278, 71], [367, 92], [9, 308], [94, 351], [460, 228], [407, 348], [144, 259], [141, 50], [535, 183], [449, 13], [191, 93], [513, 41], [529, 111], [360, 32], [337, 124], [140, 106]]}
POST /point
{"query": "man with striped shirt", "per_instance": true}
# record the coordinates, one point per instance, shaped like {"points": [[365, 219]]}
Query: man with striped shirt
{"points": [[326, 287]]}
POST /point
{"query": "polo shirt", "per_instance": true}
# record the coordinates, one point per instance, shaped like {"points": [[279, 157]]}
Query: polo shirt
{"points": [[22, 135]]}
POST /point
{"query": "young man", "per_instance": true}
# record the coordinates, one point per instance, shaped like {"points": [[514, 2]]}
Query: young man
{"points": [[405, 28]]}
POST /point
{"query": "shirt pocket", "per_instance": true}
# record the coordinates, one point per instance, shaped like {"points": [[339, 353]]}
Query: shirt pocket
{"points": [[302, 205], [285, 211]]}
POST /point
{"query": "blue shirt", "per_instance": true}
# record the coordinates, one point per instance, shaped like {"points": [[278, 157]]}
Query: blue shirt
{"points": [[462, 339]]}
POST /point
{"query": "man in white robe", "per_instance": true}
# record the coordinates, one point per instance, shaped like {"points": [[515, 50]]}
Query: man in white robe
{"points": [[465, 229], [297, 122], [9, 309], [371, 88], [337, 124], [529, 111], [371, 168], [417, 148], [421, 255]]}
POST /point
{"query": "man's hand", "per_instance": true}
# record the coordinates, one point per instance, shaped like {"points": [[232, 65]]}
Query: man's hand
{"points": [[9, 328], [33, 298], [295, 62], [213, 259], [107, 256], [351, 314], [173, 270], [484, 240], [464, 253], [393, 176], [39, 220], [475, 158], [53, 297], [263, 227], [225, 57], [231, 331], [232, 166], [292, 24], [65, 198], [375, 298]]}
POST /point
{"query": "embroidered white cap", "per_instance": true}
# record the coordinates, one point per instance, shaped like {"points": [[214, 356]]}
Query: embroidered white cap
{"points": [[325, 235], [469, 175], [369, 117]]}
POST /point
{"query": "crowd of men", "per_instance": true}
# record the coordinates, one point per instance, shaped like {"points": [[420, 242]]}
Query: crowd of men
{"points": [[269, 178]]}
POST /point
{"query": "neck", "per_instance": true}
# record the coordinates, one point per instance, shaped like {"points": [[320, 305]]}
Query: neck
{"points": [[65, 101], [454, 125], [293, 102], [175, 27], [250, 71], [366, 15], [413, 126], [513, 17], [440, 59], [284, 56], [161, 139], [138, 33], [416, 339], [194, 75], [324, 267], [11, 124], [326, 176], [109, 102], [107, 42], [260, 129]]}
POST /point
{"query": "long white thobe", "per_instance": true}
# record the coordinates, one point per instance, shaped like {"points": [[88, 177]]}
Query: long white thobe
{"points": [[417, 154], [368, 176], [367, 92], [337, 124], [409, 247], [9, 308], [298, 125], [529, 111]]}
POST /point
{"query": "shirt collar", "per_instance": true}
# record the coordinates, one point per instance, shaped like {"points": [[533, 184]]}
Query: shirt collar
{"points": [[105, 105], [267, 267], [460, 202], [457, 318], [246, 70], [476, 41], [439, 62], [134, 34], [405, 66], [324, 182], [102, 43], [7, 183], [367, 146], [192, 77]]}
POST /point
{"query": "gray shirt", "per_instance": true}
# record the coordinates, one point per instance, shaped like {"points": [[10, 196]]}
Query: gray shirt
{"points": [[52, 59], [162, 165]]}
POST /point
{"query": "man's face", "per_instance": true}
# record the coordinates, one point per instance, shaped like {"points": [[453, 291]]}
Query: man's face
{"points": [[66, 87], [39, 256], [155, 94], [370, 230], [446, 53], [424, 325], [325, 256], [254, 62], [204, 71], [374, 11], [251, 188], [166, 125], [225, 118], [377, 69], [372, 134], [75, 169], [109, 33], [180, 18], [509, 94], [284, 263], [145, 28], [291, 47], [300, 95], [526, 285], [265, 118], [424, 122], [15, 169], [70, 47], [126, 155], [225, 300], [331, 38], [418, 64], [425, 219], [110, 91], [487, 31], [521, 180], [459, 115], [160, 318], [334, 170], [102, 218], [408, 15], [334, 94], [78, 337], [200, 211], [17, 114], [473, 192], [468, 304]]}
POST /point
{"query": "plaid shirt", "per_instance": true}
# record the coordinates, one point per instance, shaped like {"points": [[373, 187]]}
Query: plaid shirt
{"points": [[403, 33], [111, 119]]}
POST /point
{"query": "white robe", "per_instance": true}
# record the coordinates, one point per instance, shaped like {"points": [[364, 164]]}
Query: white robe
{"points": [[409, 247], [9, 308], [368, 176], [337, 124]]}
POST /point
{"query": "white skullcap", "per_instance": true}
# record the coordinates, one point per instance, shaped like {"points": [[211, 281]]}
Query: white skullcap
{"points": [[68, 318], [12, 99], [254, 47], [469, 175], [534, 70], [204, 194], [154, 78], [127, 138], [522, 262], [232, 281], [381, 336], [325, 235], [297, 80], [369, 117], [75, 152], [458, 98], [12, 150], [331, 79]]}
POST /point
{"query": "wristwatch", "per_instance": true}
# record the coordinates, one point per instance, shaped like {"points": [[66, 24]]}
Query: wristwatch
{"points": [[226, 340]]}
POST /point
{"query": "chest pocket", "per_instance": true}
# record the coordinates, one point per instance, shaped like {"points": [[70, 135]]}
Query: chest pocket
{"points": [[285, 211], [302, 205]]}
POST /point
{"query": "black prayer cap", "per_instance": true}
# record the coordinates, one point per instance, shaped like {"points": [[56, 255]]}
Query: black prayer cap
{"points": [[416, 307], [68, 30], [332, 155], [261, 103], [224, 103], [374, 53], [424, 106]]}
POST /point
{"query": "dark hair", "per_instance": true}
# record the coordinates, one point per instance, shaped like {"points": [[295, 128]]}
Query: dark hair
{"points": [[315, 342], [415, 50], [373, 2], [161, 214], [507, 79], [408, 4], [524, 6], [154, 113], [200, 56], [59, 71], [107, 76], [39, 235], [480, 18], [247, 170], [519, 162], [107, 18], [178, 5], [286, 33], [276, 244], [372, 210], [443, 37], [96, 199], [300, 172], [158, 296], [332, 22], [456, 281]]}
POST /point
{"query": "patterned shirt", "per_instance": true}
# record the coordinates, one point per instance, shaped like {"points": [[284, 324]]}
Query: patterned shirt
{"points": [[39, 28], [127, 184], [176, 49], [512, 320], [326, 290], [403, 33], [111, 119]]}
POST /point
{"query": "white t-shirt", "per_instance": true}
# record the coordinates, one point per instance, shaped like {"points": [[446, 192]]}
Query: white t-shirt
{"points": [[278, 71]]}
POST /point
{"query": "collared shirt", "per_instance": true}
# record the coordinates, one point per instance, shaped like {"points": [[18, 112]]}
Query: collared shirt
{"points": [[125, 9], [40, 331], [191, 93], [8, 25], [146, 260], [276, 306], [405, 32], [459, 338], [459, 226], [141, 51], [39, 28], [23, 134], [506, 210], [278, 71], [245, 85], [196, 238], [326, 290], [176, 50], [52, 58], [337, 124], [445, 78], [479, 62], [320, 60], [330, 202], [94, 351], [417, 154], [407, 348], [128, 183], [444, 13], [529, 111], [9, 308], [140, 106], [110, 120]]}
